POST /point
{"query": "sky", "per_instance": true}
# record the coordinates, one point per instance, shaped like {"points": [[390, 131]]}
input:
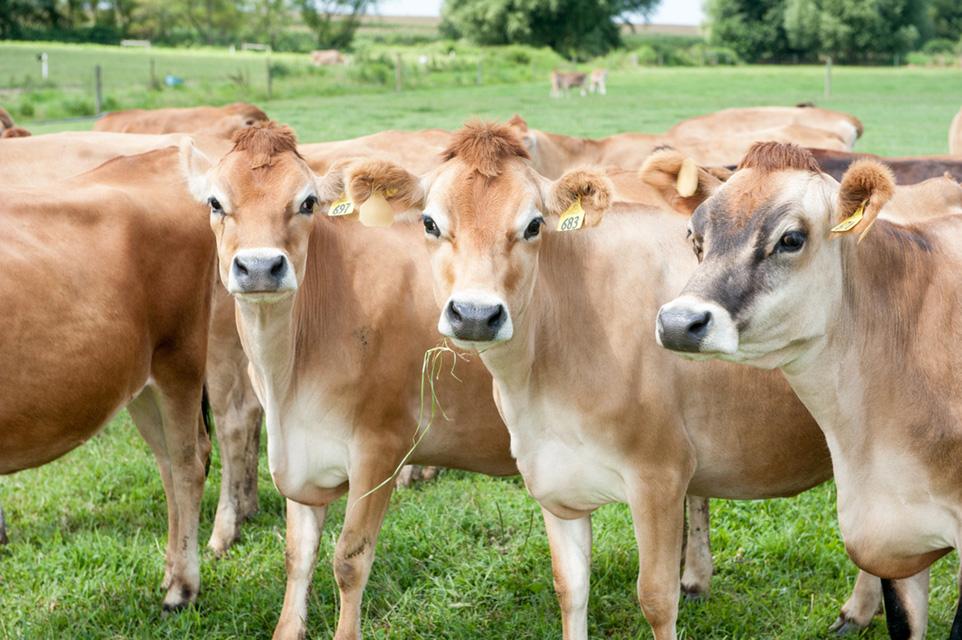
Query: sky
{"points": [[668, 12]]}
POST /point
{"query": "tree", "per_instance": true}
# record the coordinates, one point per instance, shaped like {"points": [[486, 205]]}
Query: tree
{"points": [[334, 21], [847, 30], [573, 28], [946, 17]]}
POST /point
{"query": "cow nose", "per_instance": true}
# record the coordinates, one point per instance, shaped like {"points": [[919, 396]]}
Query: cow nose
{"points": [[258, 272], [683, 329], [475, 322]]}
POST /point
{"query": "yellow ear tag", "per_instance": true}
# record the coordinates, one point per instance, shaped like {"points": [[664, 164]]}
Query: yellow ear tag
{"points": [[573, 218], [687, 180], [849, 223], [341, 207], [376, 211]]}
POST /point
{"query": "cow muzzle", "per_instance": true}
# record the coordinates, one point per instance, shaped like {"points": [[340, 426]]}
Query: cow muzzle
{"points": [[261, 274], [690, 325], [477, 318]]}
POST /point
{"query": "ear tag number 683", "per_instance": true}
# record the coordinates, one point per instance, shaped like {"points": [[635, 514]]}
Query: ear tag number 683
{"points": [[573, 218]]}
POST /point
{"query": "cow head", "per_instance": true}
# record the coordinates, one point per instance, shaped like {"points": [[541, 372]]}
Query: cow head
{"points": [[485, 215], [770, 245], [262, 199]]}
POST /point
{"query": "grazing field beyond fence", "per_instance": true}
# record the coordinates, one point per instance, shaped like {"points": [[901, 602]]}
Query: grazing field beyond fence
{"points": [[466, 556]]}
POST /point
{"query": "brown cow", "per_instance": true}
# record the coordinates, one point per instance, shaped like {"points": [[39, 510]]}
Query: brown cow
{"points": [[955, 135], [861, 315], [237, 413], [15, 132], [552, 154], [216, 121], [907, 170], [597, 413], [106, 282]]}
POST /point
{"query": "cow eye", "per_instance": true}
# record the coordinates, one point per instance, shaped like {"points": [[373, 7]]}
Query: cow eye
{"points": [[307, 207], [430, 226], [215, 206], [533, 228], [790, 242]]}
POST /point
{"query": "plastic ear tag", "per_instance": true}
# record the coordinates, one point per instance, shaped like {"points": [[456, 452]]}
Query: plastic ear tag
{"points": [[687, 181], [376, 211], [849, 223], [341, 207], [573, 218]]}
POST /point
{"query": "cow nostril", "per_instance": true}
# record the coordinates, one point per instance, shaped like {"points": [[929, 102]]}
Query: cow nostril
{"points": [[496, 318], [454, 313], [277, 268], [699, 327], [241, 268]]}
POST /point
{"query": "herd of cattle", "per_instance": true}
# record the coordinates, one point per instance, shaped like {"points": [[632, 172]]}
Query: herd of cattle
{"points": [[787, 249]]}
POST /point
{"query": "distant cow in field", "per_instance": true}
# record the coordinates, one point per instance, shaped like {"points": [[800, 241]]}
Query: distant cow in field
{"points": [[563, 81], [955, 135], [7, 127], [107, 280], [218, 121], [325, 57]]}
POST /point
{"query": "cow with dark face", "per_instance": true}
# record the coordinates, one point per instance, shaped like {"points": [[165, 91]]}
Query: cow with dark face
{"points": [[861, 314]]}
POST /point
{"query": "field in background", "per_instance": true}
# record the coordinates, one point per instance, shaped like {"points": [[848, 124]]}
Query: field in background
{"points": [[464, 557]]}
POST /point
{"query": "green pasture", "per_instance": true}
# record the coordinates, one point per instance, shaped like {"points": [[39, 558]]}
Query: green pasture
{"points": [[464, 557]]}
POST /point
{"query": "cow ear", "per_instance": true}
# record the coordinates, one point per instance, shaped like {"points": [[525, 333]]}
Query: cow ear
{"points": [[865, 188], [521, 127], [682, 183], [196, 169], [381, 190], [580, 197]]}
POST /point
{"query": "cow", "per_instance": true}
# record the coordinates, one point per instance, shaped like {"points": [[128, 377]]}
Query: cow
{"points": [[336, 351], [800, 272], [598, 81], [107, 283], [563, 81], [215, 121], [8, 129], [955, 135], [420, 150], [844, 128], [596, 412], [552, 154], [326, 57], [932, 198], [236, 410], [907, 170]]}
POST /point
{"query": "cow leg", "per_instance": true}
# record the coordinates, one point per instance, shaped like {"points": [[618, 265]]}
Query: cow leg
{"points": [[304, 525], [696, 579], [907, 606], [169, 419], [238, 415], [570, 542], [956, 631], [658, 517], [354, 553], [861, 606], [3, 528]]}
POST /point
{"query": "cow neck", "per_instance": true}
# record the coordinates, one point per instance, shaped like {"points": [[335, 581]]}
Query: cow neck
{"points": [[876, 310]]}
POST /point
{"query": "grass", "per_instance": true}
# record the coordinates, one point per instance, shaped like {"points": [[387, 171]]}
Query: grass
{"points": [[464, 557]]}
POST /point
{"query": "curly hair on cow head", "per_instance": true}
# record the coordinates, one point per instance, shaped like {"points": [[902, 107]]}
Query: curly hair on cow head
{"points": [[264, 141], [486, 146], [778, 156]]}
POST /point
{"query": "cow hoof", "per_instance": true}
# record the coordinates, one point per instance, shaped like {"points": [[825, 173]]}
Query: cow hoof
{"points": [[844, 625], [179, 597], [694, 592]]}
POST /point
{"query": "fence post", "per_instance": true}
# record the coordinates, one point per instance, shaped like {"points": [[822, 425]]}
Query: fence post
{"points": [[398, 82], [98, 90], [153, 74], [270, 91], [828, 77], [44, 69]]}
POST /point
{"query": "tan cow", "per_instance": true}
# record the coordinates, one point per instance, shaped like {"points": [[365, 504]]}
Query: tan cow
{"points": [[336, 324], [106, 282], [955, 135], [597, 413], [420, 150], [799, 272], [216, 121], [563, 81], [552, 154], [930, 199]]}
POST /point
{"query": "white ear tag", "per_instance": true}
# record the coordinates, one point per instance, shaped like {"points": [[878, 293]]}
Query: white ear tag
{"points": [[376, 211]]}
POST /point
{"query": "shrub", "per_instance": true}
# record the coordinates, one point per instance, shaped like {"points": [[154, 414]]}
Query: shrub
{"points": [[939, 46]]}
